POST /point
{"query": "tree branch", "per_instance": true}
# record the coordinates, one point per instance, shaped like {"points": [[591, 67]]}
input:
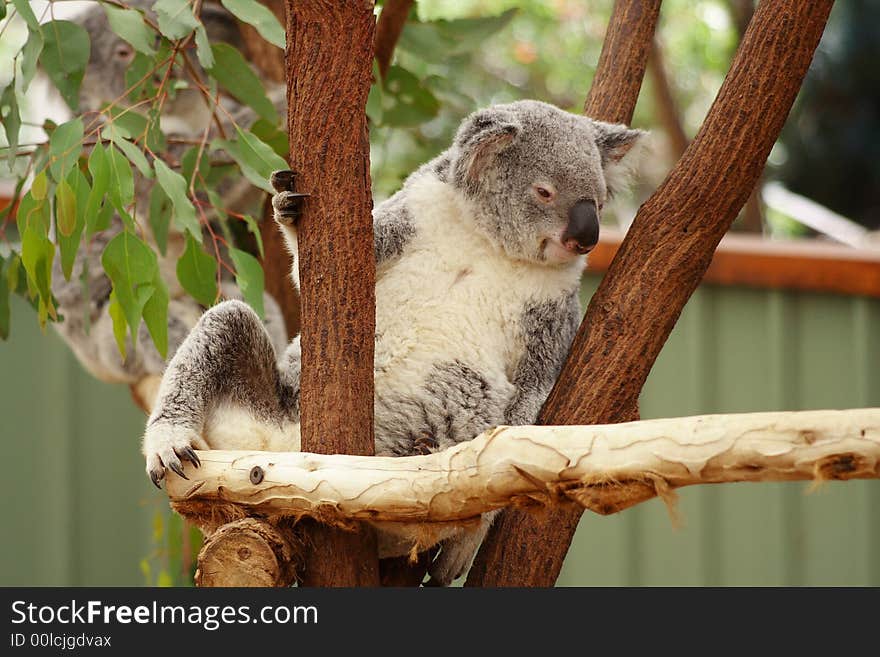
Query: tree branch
{"points": [[622, 61], [660, 263], [388, 31], [329, 65], [604, 468]]}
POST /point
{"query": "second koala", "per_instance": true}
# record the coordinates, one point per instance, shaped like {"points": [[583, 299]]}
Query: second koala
{"points": [[479, 258]]}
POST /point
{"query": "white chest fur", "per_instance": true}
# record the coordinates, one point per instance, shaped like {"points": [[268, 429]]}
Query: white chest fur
{"points": [[454, 296]]}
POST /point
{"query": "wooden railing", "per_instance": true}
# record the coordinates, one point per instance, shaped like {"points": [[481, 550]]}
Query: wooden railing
{"points": [[754, 261]]}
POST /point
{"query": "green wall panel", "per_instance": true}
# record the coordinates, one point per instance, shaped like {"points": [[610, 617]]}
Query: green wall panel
{"points": [[79, 509]]}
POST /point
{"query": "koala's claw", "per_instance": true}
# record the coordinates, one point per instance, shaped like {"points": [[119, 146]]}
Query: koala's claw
{"points": [[425, 444], [287, 207], [283, 181], [166, 446]]}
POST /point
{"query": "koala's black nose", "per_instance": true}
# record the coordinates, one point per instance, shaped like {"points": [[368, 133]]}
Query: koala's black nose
{"points": [[582, 232]]}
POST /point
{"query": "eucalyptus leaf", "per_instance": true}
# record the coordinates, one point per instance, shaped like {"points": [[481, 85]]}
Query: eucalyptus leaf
{"points": [[256, 159], [129, 24], [238, 78], [65, 55], [197, 273], [174, 185], [249, 277], [260, 17], [65, 146], [175, 18]]}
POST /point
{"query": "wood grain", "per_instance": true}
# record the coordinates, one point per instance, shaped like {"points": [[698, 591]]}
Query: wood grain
{"points": [[329, 67]]}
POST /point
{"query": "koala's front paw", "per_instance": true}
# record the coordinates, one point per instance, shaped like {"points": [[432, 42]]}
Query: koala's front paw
{"points": [[286, 203], [165, 445]]}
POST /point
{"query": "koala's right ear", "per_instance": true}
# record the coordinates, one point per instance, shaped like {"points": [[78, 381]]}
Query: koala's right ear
{"points": [[483, 135]]}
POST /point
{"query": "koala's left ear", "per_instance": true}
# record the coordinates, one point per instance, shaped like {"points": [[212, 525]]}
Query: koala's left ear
{"points": [[620, 147], [483, 135]]}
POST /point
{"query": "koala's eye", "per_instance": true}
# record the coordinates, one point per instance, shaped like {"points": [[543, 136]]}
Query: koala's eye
{"points": [[544, 193], [123, 51]]}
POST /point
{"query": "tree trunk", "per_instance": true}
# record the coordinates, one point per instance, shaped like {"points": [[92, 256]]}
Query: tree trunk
{"points": [[622, 61], [661, 262], [329, 65], [388, 31]]}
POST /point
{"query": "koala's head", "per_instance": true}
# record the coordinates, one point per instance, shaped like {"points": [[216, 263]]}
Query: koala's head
{"points": [[538, 177], [110, 55]]}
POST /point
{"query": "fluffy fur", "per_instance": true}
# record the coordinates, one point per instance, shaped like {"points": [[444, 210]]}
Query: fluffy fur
{"points": [[476, 306]]}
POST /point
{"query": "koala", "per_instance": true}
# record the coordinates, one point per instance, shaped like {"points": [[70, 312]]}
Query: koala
{"points": [[478, 264], [83, 300]]}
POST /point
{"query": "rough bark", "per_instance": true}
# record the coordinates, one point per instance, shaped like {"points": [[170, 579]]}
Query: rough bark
{"points": [[605, 468], [388, 30], [660, 263], [247, 552], [329, 64], [622, 61]]}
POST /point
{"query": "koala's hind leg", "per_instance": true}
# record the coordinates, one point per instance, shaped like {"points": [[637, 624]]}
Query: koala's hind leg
{"points": [[225, 369], [457, 552]]}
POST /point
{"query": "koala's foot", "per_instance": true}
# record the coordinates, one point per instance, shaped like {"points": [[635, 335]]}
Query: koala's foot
{"points": [[425, 444], [164, 447], [286, 203], [457, 553]]}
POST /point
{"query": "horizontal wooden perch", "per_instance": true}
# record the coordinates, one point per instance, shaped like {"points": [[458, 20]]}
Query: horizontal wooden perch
{"points": [[605, 468]]}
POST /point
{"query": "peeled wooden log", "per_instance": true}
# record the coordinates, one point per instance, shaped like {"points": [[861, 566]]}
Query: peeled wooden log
{"points": [[605, 468], [247, 552]]}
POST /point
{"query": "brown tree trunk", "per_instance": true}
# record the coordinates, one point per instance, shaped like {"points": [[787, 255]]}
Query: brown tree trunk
{"points": [[660, 263], [622, 61], [329, 65], [388, 30]]}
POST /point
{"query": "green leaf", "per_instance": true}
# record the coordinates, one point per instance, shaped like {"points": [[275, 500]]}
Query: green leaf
{"points": [[2, 10], [176, 19], [160, 217], [23, 7], [233, 73], [65, 146], [11, 122], [253, 13], [74, 199], [256, 158], [40, 186], [132, 268], [138, 78], [134, 154], [249, 277], [156, 315], [271, 134], [37, 253], [65, 55], [99, 167], [188, 163], [29, 55], [117, 315], [121, 184], [129, 24], [254, 229], [407, 101], [174, 185], [65, 208], [203, 48], [197, 273]]}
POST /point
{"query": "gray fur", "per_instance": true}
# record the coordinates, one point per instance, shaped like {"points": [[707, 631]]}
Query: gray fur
{"points": [[392, 228], [548, 327], [491, 169]]}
